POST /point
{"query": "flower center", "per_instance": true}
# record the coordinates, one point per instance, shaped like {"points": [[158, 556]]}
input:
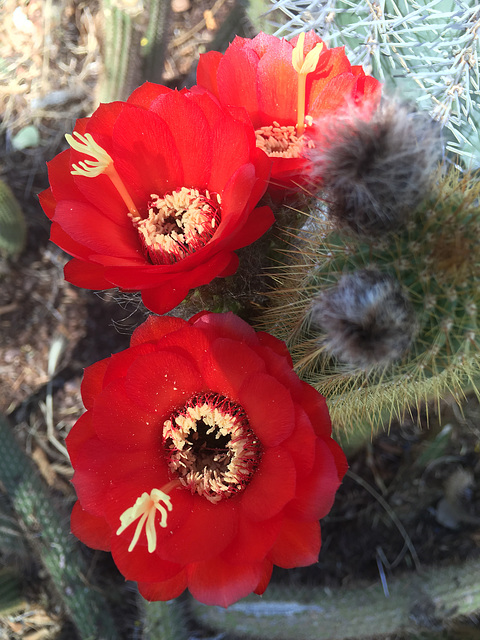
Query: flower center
{"points": [[210, 446], [282, 141], [178, 224]]}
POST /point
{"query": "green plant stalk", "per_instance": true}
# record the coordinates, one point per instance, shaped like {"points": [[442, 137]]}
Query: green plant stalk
{"points": [[153, 51], [50, 537], [13, 230], [134, 46], [165, 620], [423, 603]]}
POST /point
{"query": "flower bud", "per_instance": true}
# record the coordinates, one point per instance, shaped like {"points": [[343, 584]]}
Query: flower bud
{"points": [[377, 171], [366, 320]]}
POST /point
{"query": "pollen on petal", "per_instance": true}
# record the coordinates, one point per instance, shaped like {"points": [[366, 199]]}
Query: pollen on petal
{"points": [[144, 510]]}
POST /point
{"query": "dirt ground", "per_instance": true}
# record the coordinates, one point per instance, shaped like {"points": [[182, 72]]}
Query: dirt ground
{"points": [[425, 479]]}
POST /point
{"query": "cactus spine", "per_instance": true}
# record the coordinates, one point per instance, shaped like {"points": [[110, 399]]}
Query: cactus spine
{"points": [[13, 230], [435, 258], [428, 50]]}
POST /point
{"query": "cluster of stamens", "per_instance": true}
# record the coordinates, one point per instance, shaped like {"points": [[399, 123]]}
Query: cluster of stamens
{"points": [[178, 223], [282, 141], [210, 447]]}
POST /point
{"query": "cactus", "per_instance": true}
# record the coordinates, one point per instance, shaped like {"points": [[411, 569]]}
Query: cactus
{"points": [[418, 606], [427, 50], [51, 538], [164, 620], [134, 45], [379, 324], [13, 230]]}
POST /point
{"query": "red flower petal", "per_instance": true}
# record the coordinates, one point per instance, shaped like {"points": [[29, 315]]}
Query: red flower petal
{"points": [[154, 328], [140, 565], [135, 427], [86, 274], [190, 129], [278, 99], [231, 150], [207, 70], [227, 365], [253, 540], [217, 582], [316, 407], [204, 534], [166, 590], [316, 492], [91, 530], [236, 78], [265, 579], [93, 230], [271, 487], [146, 155], [92, 382], [146, 94], [162, 381], [298, 544], [47, 202], [81, 432], [271, 414]]}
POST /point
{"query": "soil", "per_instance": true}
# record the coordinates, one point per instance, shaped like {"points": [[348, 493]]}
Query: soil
{"points": [[428, 479]]}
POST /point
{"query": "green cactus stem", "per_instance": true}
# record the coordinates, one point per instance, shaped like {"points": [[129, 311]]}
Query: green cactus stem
{"points": [[355, 355], [418, 605], [13, 230], [135, 37], [165, 620], [50, 537]]}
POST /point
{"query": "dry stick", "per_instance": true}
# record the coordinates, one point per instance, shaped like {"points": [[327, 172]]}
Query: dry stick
{"points": [[391, 513], [50, 537]]}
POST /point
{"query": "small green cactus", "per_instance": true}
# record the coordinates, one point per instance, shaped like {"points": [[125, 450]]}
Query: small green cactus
{"points": [[380, 324], [50, 536], [13, 230], [135, 38]]}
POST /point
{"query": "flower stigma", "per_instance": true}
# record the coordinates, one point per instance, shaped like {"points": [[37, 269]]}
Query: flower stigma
{"points": [[210, 446], [303, 65], [103, 163], [178, 224], [145, 508]]}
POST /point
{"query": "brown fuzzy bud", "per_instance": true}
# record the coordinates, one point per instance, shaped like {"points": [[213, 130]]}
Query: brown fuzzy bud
{"points": [[366, 320], [375, 172]]}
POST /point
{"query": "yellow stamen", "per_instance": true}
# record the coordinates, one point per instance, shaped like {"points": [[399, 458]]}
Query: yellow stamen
{"points": [[103, 163], [304, 65], [145, 508]]}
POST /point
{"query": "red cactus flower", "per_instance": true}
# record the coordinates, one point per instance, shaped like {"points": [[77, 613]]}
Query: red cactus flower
{"points": [[155, 195], [202, 459], [286, 86]]}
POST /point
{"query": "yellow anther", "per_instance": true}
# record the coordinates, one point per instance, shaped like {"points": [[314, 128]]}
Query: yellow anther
{"points": [[87, 145], [304, 65], [145, 508]]}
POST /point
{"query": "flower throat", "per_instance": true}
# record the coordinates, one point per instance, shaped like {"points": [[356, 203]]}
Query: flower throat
{"points": [[177, 224]]}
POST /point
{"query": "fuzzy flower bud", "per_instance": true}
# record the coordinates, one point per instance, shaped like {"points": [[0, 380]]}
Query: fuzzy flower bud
{"points": [[366, 320], [377, 171]]}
